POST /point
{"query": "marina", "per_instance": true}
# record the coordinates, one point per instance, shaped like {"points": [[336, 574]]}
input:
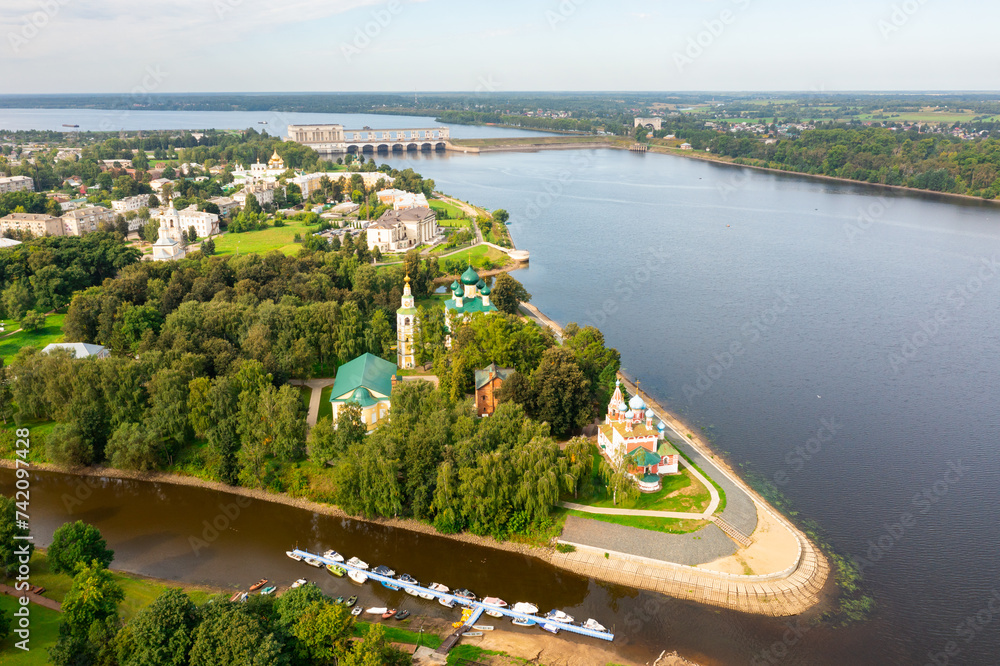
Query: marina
{"points": [[449, 599]]}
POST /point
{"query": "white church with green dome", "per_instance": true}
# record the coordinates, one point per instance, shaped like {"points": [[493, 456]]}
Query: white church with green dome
{"points": [[468, 296]]}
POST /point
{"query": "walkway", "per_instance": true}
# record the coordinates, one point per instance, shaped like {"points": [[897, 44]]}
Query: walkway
{"points": [[316, 386], [34, 598]]}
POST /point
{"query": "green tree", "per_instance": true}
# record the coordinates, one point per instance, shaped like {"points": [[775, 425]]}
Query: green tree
{"points": [[252, 206], [12, 549], [78, 543], [6, 622], [374, 650], [501, 215], [134, 447], [32, 321], [67, 447], [161, 633], [561, 392], [208, 247], [621, 484], [167, 415], [17, 299], [230, 634], [92, 598], [323, 632], [508, 293]]}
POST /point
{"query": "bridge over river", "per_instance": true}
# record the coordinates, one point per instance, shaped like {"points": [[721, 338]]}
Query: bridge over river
{"points": [[331, 139]]}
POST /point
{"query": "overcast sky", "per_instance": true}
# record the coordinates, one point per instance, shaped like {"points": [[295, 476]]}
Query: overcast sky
{"points": [[52, 46]]}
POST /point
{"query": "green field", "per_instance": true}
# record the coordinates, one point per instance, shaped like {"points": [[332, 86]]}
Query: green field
{"points": [[52, 332], [695, 496], [479, 255], [44, 629], [265, 240], [325, 408], [452, 210], [668, 525]]}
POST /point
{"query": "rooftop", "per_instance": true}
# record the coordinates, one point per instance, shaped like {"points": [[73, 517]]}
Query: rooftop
{"points": [[366, 371]]}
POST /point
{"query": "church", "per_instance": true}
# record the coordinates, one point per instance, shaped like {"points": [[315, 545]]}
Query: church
{"points": [[628, 431], [406, 326], [469, 296]]}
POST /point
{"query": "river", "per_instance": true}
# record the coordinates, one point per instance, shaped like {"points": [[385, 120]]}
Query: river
{"points": [[758, 306]]}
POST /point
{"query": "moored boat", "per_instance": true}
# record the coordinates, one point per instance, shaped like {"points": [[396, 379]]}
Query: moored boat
{"points": [[523, 623], [235, 597], [388, 613], [356, 611], [376, 610], [357, 564], [558, 616], [495, 601], [312, 561], [593, 625], [472, 634], [351, 601], [259, 584], [340, 600], [551, 628], [525, 608], [494, 613], [333, 555], [334, 570], [407, 578], [446, 602], [402, 615], [297, 558], [383, 570], [299, 583], [269, 589], [483, 627], [387, 584], [465, 594], [357, 576], [244, 596]]}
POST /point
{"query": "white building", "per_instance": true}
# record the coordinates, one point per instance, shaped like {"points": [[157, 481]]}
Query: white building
{"points": [[260, 172], [227, 205], [85, 220], [263, 191], [79, 349], [205, 224], [401, 200], [130, 203], [400, 230], [406, 324], [37, 224], [170, 243], [16, 184], [158, 184]]}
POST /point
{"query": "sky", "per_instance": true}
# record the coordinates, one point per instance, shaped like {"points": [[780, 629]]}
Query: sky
{"points": [[119, 46]]}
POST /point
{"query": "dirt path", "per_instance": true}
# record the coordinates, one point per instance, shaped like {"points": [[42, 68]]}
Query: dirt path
{"points": [[34, 598]]}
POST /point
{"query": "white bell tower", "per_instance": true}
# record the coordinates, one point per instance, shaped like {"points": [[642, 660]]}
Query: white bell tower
{"points": [[406, 326]]}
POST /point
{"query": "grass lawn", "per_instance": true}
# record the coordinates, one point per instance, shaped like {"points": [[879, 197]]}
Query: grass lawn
{"points": [[680, 492], [51, 332], [38, 430], [397, 634], [44, 632], [306, 394], [479, 255], [325, 408], [451, 209], [265, 240], [668, 525]]}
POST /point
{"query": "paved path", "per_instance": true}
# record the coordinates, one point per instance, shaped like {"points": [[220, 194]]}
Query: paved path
{"points": [[705, 545], [317, 386], [34, 598]]}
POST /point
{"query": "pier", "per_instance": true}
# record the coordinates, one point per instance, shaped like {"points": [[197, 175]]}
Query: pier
{"points": [[478, 607]]}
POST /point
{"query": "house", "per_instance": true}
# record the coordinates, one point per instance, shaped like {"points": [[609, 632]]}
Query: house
{"points": [[38, 224], [85, 220], [205, 224], [16, 184], [263, 192], [400, 230], [368, 381], [130, 203], [685, 146], [73, 181], [628, 431], [227, 205], [488, 383], [158, 183], [468, 296], [401, 200], [79, 349]]}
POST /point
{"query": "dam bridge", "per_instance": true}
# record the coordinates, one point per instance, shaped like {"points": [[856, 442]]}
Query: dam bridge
{"points": [[334, 139]]}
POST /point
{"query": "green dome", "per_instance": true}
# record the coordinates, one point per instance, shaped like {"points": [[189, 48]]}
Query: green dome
{"points": [[470, 276], [455, 285], [485, 291]]}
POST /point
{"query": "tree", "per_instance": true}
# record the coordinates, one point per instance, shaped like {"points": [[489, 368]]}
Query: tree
{"points": [[6, 622], [192, 234], [17, 299], [374, 650], [161, 633], [620, 482], [78, 543], [151, 231], [6, 393], [93, 597], [12, 548], [134, 447], [66, 446], [252, 205], [208, 247], [561, 392], [501, 215], [508, 293], [167, 415], [32, 321], [331, 443], [323, 632], [230, 634]]}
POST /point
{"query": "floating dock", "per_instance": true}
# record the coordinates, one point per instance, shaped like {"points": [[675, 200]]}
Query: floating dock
{"points": [[478, 607]]}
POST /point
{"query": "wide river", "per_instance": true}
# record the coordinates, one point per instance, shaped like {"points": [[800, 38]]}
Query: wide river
{"points": [[867, 310]]}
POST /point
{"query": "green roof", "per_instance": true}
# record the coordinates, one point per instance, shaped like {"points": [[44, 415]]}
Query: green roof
{"points": [[363, 397], [667, 449], [489, 372], [650, 478], [469, 305], [646, 457], [367, 371], [470, 276]]}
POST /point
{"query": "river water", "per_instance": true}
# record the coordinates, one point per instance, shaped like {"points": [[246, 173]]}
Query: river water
{"points": [[759, 307]]}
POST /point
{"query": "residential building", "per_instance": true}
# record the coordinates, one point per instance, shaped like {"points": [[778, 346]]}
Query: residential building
{"points": [[227, 205], [468, 296], [85, 220], [368, 381], [73, 181], [79, 349], [158, 183], [628, 432], [16, 184], [401, 200], [488, 383], [406, 327], [38, 224], [400, 230], [308, 182], [130, 203], [686, 146], [262, 191]]}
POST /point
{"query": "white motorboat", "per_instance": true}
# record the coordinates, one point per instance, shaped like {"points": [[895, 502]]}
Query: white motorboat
{"points": [[314, 562], [593, 625], [523, 623], [356, 611], [472, 634], [447, 602], [558, 616], [291, 554], [483, 627], [437, 587], [551, 628], [495, 601], [494, 613], [357, 564], [333, 555], [378, 610], [358, 577], [525, 608], [299, 583]]}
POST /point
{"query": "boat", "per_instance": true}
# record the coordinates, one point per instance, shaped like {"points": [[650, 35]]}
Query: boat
{"points": [[436, 587], [402, 615], [446, 602], [68, 125], [525, 608], [340, 600], [261, 122], [376, 610], [314, 562], [357, 576], [299, 583], [523, 623], [551, 628], [334, 570], [465, 594], [558, 616], [357, 564], [259, 584], [383, 570], [593, 625], [351, 601], [389, 585], [388, 613], [495, 601], [297, 558], [235, 597], [494, 613], [483, 627], [356, 611], [333, 555], [269, 589], [407, 578], [244, 596], [472, 634]]}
